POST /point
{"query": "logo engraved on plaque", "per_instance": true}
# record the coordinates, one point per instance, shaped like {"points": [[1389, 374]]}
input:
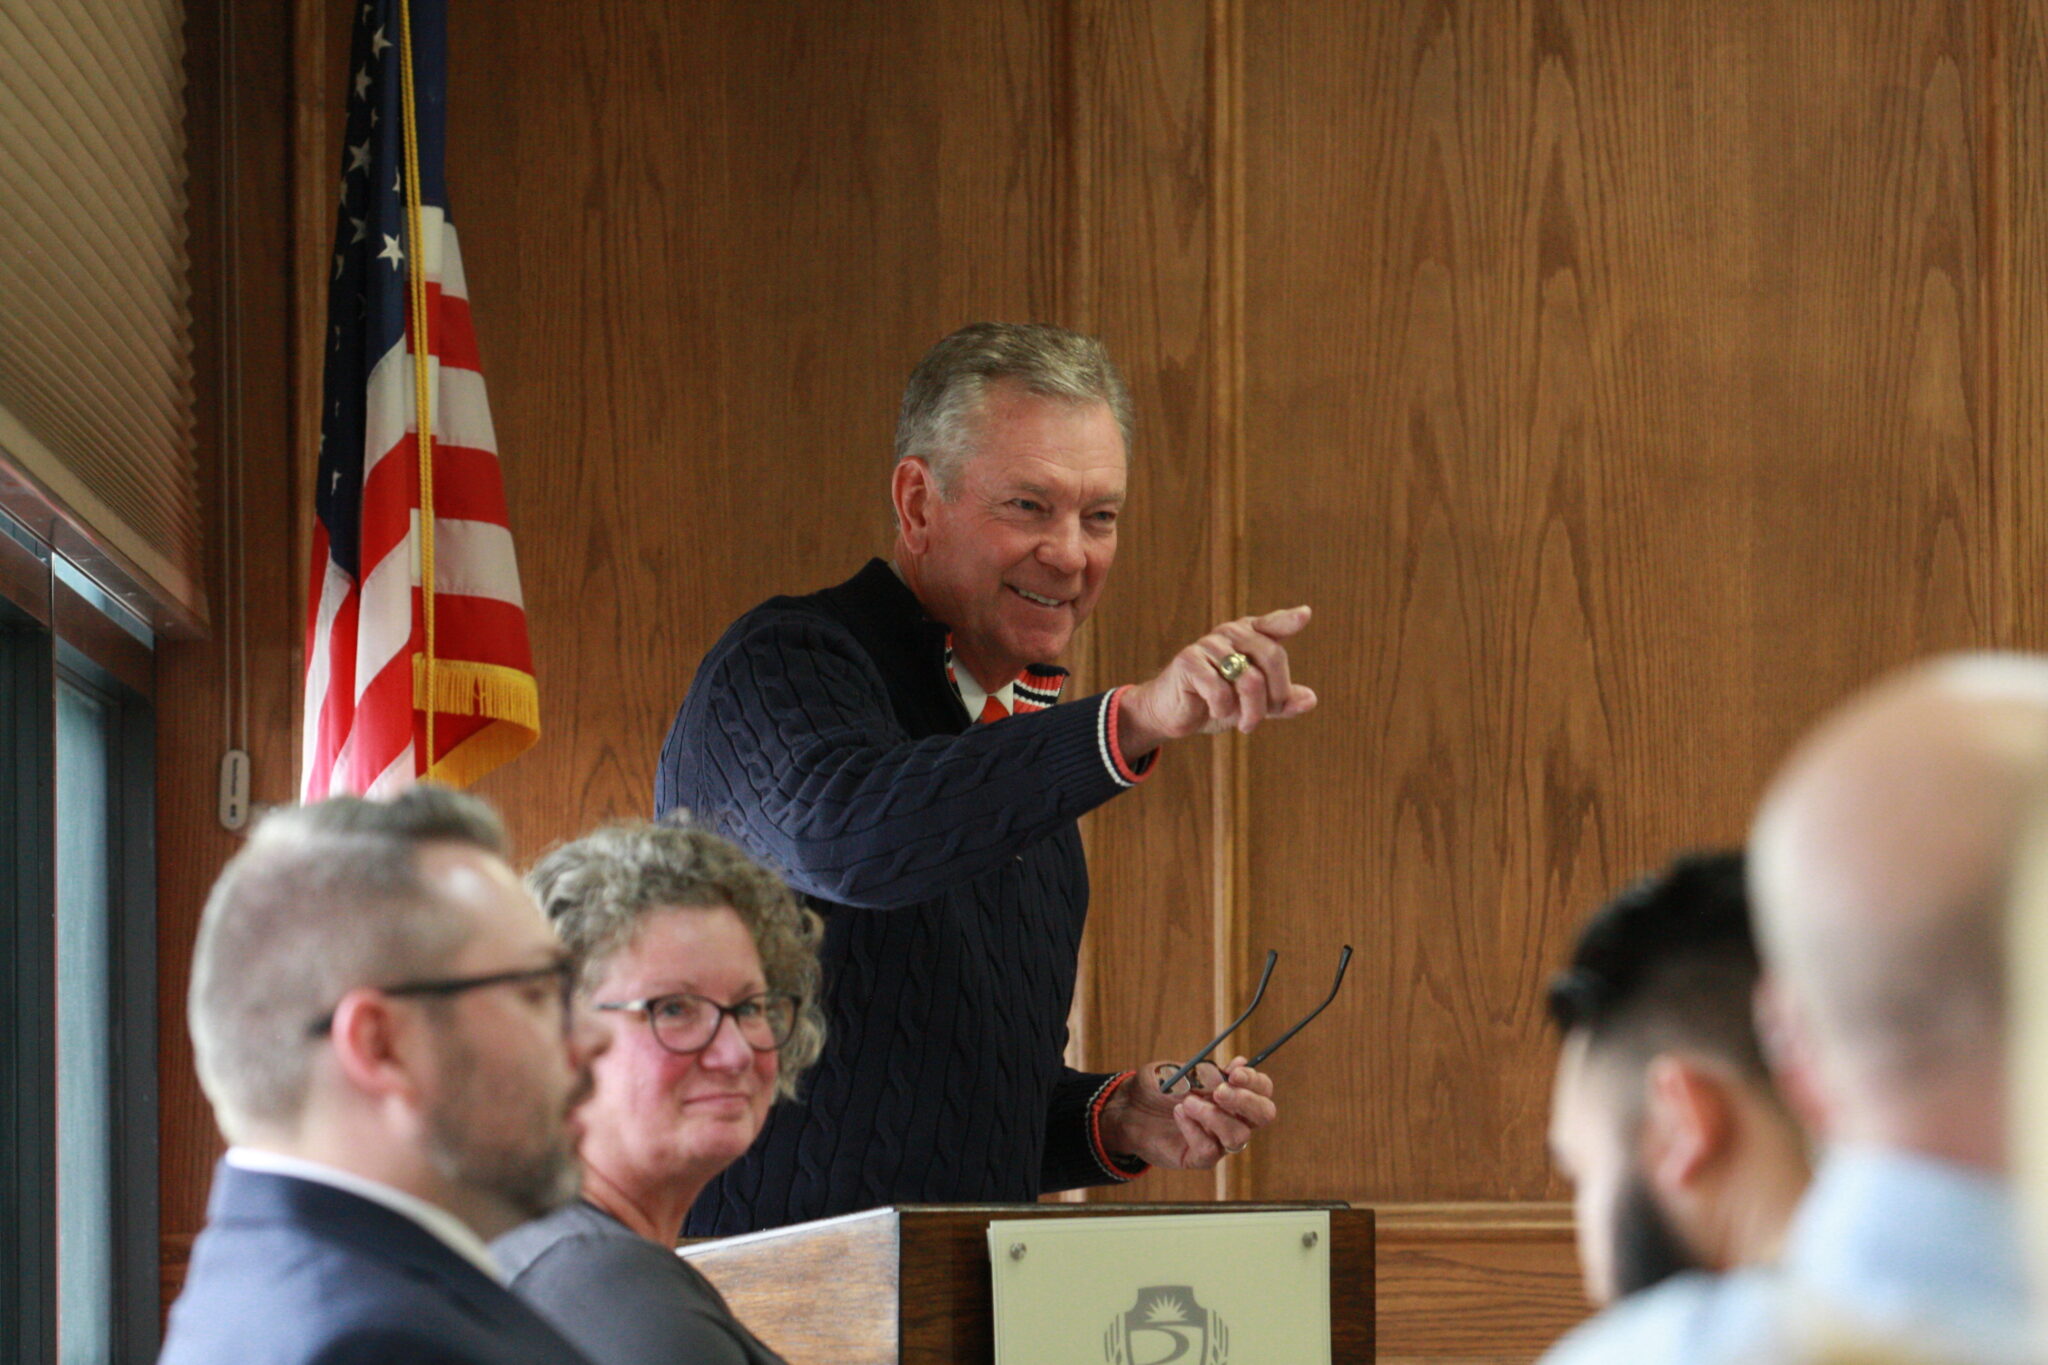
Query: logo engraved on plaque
{"points": [[1166, 1326]]}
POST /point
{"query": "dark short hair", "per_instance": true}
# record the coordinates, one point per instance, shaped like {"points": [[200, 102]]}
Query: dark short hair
{"points": [[1671, 962]]}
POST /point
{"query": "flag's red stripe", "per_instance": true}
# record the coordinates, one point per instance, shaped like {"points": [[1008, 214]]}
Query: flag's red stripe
{"points": [[468, 485], [390, 494], [337, 710], [481, 630], [383, 721], [453, 335], [466, 488], [450, 731]]}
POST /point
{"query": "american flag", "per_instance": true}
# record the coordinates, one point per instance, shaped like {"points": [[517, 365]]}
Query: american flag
{"points": [[369, 688]]}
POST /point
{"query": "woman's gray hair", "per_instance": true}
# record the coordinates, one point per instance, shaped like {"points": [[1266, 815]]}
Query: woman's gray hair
{"points": [[946, 390], [600, 889]]}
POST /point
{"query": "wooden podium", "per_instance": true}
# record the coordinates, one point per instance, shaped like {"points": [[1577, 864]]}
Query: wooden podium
{"points": [[910, 1283]]}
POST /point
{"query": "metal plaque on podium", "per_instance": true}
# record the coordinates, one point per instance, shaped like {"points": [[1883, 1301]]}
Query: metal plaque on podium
{"points": [[1188, 1288]]}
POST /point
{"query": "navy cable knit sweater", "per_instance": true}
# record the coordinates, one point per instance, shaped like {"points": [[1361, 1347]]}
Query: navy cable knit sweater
{"points": [[821, 733]]}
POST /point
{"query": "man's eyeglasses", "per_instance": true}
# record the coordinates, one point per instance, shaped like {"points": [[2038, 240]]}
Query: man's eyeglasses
{"points": [[685, 1024], [562, 972], [1212, 1075]]}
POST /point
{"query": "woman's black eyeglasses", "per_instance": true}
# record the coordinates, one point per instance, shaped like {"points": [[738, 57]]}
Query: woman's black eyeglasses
{"points": [[685, 1024], [1166, 1084]]}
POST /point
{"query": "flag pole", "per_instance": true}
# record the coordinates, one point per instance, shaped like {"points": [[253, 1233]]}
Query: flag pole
{"points": [[425, 692]]}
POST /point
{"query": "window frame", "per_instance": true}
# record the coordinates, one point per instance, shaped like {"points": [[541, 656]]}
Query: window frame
{"points": [[53, 634]]}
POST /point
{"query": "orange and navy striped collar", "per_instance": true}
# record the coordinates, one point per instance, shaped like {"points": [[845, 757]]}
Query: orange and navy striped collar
{"points": [[1036, 688]]}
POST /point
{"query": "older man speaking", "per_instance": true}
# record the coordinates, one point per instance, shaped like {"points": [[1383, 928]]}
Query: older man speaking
{"points": [[892, 744]]}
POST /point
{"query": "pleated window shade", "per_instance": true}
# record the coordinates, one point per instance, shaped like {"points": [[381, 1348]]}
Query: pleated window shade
{"points": [[95, 322]]}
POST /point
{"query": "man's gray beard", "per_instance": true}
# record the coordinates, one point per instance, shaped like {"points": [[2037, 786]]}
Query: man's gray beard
{"points": [[530, 1181]]}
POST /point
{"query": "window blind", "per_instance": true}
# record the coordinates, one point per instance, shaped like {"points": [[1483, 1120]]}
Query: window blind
{"points": [[96, 402]]}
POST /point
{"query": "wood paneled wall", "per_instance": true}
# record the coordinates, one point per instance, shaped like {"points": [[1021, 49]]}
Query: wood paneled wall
{"points": [[1621, 384]]}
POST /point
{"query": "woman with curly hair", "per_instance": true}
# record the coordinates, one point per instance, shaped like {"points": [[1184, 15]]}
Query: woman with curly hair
{"points": [[703, 967]]}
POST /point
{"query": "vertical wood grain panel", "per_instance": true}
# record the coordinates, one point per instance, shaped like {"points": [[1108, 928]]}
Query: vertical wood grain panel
{"points": [[1608, 389], [1147, 203], [2016, 113], [192, 677]]}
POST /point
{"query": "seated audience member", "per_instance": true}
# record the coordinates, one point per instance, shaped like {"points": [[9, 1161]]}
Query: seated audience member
{"points": [[1878, 866], [380, 1017], [705, 969], [1681, 1154]]}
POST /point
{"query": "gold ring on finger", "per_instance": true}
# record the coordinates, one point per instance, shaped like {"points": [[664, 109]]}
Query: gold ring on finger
{"points": [[1232, 666]]}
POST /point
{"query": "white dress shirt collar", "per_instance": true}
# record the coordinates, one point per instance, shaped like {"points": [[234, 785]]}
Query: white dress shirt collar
{"points": [[973, 697]]}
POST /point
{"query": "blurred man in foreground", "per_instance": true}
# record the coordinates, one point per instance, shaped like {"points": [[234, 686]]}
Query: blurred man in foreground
{"points": [[1879, 863], [379, 1015], [1680, 1151]]}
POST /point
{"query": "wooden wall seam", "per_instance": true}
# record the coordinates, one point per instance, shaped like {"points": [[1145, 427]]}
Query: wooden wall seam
{"points": [[1994, 279], [1226, 446]]}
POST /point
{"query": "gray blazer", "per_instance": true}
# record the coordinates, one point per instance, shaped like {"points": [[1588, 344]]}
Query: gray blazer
{"points": [[620, 1298]]}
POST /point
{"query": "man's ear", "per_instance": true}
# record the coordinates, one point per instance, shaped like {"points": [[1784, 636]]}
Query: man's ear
{"points": [[371, 1047], [1788, 1047], [913, 488], [1688, 1122]]}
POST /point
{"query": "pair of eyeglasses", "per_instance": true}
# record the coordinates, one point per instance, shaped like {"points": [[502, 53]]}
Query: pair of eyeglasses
{"points": [[561, 971], [685, 1024], [1167, 1083]]}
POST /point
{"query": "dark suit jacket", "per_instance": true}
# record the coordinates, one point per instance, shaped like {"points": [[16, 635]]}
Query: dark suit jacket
{"points": [[292, 1272]]}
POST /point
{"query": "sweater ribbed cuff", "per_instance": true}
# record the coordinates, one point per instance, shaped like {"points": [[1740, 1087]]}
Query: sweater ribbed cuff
{"points": [[1121, 1169], [1126, 773]]}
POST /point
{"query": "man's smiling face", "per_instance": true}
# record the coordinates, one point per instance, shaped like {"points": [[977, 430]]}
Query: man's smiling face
{"points": [[1013, 556]]}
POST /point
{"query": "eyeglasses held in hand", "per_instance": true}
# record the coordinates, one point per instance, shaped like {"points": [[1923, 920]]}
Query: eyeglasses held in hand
{"points": [[685, 1024], [1167, 1084]]}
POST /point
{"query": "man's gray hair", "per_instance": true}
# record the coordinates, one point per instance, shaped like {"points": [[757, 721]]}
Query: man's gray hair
{"points": [[946, 390], [599, 890], [323, 899]]}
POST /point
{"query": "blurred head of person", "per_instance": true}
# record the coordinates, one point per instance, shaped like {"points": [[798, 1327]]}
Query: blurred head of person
{"points": [[1663, 1114], [373, 989], [702, 967], [1882, 860]]}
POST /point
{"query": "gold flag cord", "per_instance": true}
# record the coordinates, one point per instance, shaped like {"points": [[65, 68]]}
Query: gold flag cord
{"points": [[424, 688]]}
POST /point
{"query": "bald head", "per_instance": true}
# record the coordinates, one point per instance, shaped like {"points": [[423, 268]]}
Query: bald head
{"points": [[1879, 861]]}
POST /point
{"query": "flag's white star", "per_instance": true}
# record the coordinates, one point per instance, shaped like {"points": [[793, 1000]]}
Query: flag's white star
{"points": [[361, 226], [335, 486], [337, 265], [344, 187], [378, 42], [362, 83], [391, 251], [367, 10], [373, 116], [396, 184], [358, 158]]}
